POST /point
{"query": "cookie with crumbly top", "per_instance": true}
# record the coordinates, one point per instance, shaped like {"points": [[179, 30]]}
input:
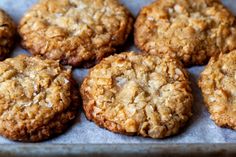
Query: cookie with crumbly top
{"points": [[138, 95], [218, 85], [191, 30], [76, 32], [38, 98], [7, 34]]}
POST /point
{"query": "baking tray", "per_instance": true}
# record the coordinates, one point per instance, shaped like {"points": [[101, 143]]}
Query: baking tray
{"points": [[200, 137]]}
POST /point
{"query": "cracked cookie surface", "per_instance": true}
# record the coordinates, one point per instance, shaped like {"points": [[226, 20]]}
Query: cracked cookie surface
{"points": [[77, 32], [37, 98], [191, 30], [138, 95], [218, 84], [7, 34]]}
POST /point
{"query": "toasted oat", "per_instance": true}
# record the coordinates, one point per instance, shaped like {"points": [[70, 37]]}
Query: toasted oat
{"points": [[77, 32], [7, 34], [35, 101], [218, 84], [137, 94], [191, 30]]}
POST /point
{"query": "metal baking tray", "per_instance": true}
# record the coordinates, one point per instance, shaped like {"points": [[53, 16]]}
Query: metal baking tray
{"points": [[200, 137]]}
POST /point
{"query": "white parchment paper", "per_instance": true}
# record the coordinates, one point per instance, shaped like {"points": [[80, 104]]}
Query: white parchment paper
{"points": [[200, 128]]}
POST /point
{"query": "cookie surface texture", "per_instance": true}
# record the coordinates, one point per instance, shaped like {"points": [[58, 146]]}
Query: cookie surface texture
{"points": [[7, 34], [191, 30], [37, 99], [76, 32], [138, 95], [218, 84]]}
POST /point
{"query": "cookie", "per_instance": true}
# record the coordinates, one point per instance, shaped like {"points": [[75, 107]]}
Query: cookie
{"points": [[218, 85], [7, 34], [76, 32], [138, 95], [191, 30], [38, 98]]}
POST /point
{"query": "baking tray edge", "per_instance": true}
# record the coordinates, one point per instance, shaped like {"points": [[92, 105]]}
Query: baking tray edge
{"points": [[131, 150]]}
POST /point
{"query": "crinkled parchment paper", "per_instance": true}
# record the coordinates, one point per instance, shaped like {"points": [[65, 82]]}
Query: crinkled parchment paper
{"points": [[200, 128]]}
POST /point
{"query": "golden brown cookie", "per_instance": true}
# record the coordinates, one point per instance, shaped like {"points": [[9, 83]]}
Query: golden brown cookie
{"points": [[37, 98], [138, 95], [218, 84], [192, 30], [77, 32], [7, 34]]}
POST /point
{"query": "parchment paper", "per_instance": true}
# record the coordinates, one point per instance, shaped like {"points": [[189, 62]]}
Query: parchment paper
{"points": [[200, 128]]}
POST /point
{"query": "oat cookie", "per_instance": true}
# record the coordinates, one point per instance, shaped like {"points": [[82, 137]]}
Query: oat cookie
{"points": [[138, 95], [37, 98], [218, 84], [7, 34], [192, 30], [77, 32]]}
